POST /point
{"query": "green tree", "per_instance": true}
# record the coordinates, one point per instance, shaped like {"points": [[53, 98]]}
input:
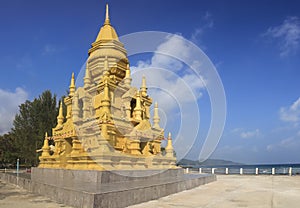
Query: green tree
{"points": [[8, 150], [33, 120]]}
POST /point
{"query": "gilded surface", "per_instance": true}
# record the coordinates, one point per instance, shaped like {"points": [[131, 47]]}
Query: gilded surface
{"points": [[107, 124]]}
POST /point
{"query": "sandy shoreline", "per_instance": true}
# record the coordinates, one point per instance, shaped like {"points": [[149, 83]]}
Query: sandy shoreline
{"points": [[227, 191]]}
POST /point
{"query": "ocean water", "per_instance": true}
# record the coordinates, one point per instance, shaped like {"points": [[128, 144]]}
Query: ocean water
{"points": [[280, 169]]}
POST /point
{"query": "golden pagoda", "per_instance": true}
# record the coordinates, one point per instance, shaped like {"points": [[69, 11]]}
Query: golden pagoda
{"points": [[107, 124]]}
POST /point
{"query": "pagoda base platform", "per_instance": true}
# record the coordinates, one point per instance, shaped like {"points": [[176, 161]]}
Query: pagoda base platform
{"points": [[113, 189]]}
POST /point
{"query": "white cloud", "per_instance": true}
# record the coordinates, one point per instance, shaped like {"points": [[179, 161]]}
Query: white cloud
{"points": [[206, 23], [236, 130], [291, 113], [9, 107], [176, 87], [245, 134], [288, 34], [49, 49], [250, 134], [172, 82], [197, 34], [209, 20]]}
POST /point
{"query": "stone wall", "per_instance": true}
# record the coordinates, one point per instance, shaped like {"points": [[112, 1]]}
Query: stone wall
{"points": [[105, 189]]}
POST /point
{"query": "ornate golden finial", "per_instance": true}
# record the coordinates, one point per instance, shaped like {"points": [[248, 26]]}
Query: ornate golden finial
{"points": [[105, 103], [46, 148], [87, 78], [156, 117], [169, 136], [60, 117], [169, 148], [138, 108], [72, 85], [107, 32], [107, 21], [106, 69], [143, 87], [128, 78], [106, 91]]}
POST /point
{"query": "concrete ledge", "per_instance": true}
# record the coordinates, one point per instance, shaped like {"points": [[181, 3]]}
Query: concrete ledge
{"points": [[13, 179], [89, 193], [62, 177]]}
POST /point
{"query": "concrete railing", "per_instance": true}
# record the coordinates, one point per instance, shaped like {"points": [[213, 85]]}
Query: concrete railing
{"points": [[245, 171], [10, 170], [13, 178]]}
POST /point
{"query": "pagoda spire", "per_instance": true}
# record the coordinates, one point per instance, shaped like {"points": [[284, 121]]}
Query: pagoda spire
{"points": [[138, 108], [143, 88], [60, 117], [87, 78], [106, 33], [46, 148], [169, 148], [107, 21], [156, 117], [72, 85], [128, 78], [105, 102]]}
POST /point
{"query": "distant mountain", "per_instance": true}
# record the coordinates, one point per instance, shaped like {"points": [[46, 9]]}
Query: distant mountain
{"points": [[207, 163]]}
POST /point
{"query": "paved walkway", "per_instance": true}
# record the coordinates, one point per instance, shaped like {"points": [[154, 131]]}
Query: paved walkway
{"points": [[237, 191], [13, 197], [228, 192]]}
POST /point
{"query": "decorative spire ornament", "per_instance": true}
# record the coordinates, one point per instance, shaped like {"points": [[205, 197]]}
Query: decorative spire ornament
{"points": [[156, 117], [105, 103], [72, 85], [127, 79], [46, 148], [60, 117], [107, 21], [169, 147], [143, 87], [87, 78], [138, 108]]}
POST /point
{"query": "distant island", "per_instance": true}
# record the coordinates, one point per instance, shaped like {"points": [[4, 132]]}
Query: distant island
{"points": [[206, 163]]}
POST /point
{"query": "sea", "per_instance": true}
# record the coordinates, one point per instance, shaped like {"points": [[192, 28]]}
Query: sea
{"points": [[280, 169]]}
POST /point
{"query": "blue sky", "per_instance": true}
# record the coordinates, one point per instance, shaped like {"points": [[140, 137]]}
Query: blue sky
{"points": [[255, 46]]}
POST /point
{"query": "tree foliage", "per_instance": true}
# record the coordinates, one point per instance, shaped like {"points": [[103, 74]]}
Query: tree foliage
{"points": [[8, 151], [30, 124]]}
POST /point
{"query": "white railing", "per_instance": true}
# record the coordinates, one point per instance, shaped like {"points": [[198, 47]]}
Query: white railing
{"points": [[246, 171], [13, 170], [4, 170]]}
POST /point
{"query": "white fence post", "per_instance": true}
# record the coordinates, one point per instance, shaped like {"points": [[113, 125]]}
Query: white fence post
{"points": [[273, 171], [290, 171], [256, 171], [200, 170], [241, 171], [226, 171], [187, 170], [213, 171], [4, 170]]}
